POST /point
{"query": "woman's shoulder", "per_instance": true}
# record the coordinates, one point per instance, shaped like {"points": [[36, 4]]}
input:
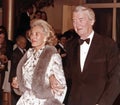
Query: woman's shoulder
{"points": [[51, 49]]}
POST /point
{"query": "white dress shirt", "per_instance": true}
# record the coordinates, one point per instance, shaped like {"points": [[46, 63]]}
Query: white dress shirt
{"points": [[84, 48]]}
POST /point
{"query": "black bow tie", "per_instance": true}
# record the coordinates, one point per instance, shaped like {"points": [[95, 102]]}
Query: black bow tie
{"points": [[86, 40]]}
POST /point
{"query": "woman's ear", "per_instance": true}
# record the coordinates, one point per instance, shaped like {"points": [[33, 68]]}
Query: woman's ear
{"points": [[45, 39]]}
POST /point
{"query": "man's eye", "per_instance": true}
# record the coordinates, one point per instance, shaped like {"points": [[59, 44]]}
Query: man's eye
{"points": [[74, 21]]}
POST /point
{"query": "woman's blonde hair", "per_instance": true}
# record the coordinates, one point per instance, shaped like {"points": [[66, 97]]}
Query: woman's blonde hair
{"points": [[47, 30]]}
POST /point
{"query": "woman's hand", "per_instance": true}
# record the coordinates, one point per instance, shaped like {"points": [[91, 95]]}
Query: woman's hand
{"points": [[56, 87], [14, 83]]}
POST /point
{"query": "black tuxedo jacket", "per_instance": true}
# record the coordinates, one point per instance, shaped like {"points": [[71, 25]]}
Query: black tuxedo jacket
{"points": [[16, 56], [99, 81], [62, 51], [24, 23]]}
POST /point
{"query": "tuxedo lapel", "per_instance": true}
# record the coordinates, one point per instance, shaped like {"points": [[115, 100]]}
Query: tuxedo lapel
{"points": [[19, 52], [76, 57]]}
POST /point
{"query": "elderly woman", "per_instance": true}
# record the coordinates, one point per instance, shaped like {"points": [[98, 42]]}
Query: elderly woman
{"points": [[37, 66]]}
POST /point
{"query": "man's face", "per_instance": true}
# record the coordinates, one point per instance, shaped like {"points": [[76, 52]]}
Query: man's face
{"points": [[30, 10], [63, 40], [21, 42], [82, 24]]}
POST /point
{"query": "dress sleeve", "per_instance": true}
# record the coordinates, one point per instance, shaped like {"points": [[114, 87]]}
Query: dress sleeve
{"points": [[55, 67]]}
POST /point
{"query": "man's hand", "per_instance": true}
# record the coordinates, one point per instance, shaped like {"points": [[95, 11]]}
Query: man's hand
{"points": [[63, 55]]}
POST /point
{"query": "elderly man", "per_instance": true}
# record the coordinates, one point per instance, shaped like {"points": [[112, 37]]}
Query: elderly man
{"points": [[92, 63]]}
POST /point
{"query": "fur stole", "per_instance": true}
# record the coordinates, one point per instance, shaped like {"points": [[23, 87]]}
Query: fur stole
{"points": [[39, 88]]}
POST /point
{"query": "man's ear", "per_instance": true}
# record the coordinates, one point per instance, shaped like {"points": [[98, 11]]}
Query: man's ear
{"points": [[92, 22]]}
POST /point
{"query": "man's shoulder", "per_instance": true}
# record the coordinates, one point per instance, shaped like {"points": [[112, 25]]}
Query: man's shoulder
{"points": [[16, 51], [24, 13], [104, 41], [73, 41]]}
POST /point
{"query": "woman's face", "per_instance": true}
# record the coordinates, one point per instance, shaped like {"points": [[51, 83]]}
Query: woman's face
{"points": [[37, 37], [38, 15], [2, 38]]}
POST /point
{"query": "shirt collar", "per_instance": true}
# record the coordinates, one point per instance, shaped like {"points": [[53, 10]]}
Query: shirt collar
{"points": [[28, 14], [21, 49], [91, 36], [61, 45]]}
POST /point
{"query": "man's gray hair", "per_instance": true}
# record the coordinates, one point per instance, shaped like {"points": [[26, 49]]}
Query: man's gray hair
{"points": [[90, 12]]}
